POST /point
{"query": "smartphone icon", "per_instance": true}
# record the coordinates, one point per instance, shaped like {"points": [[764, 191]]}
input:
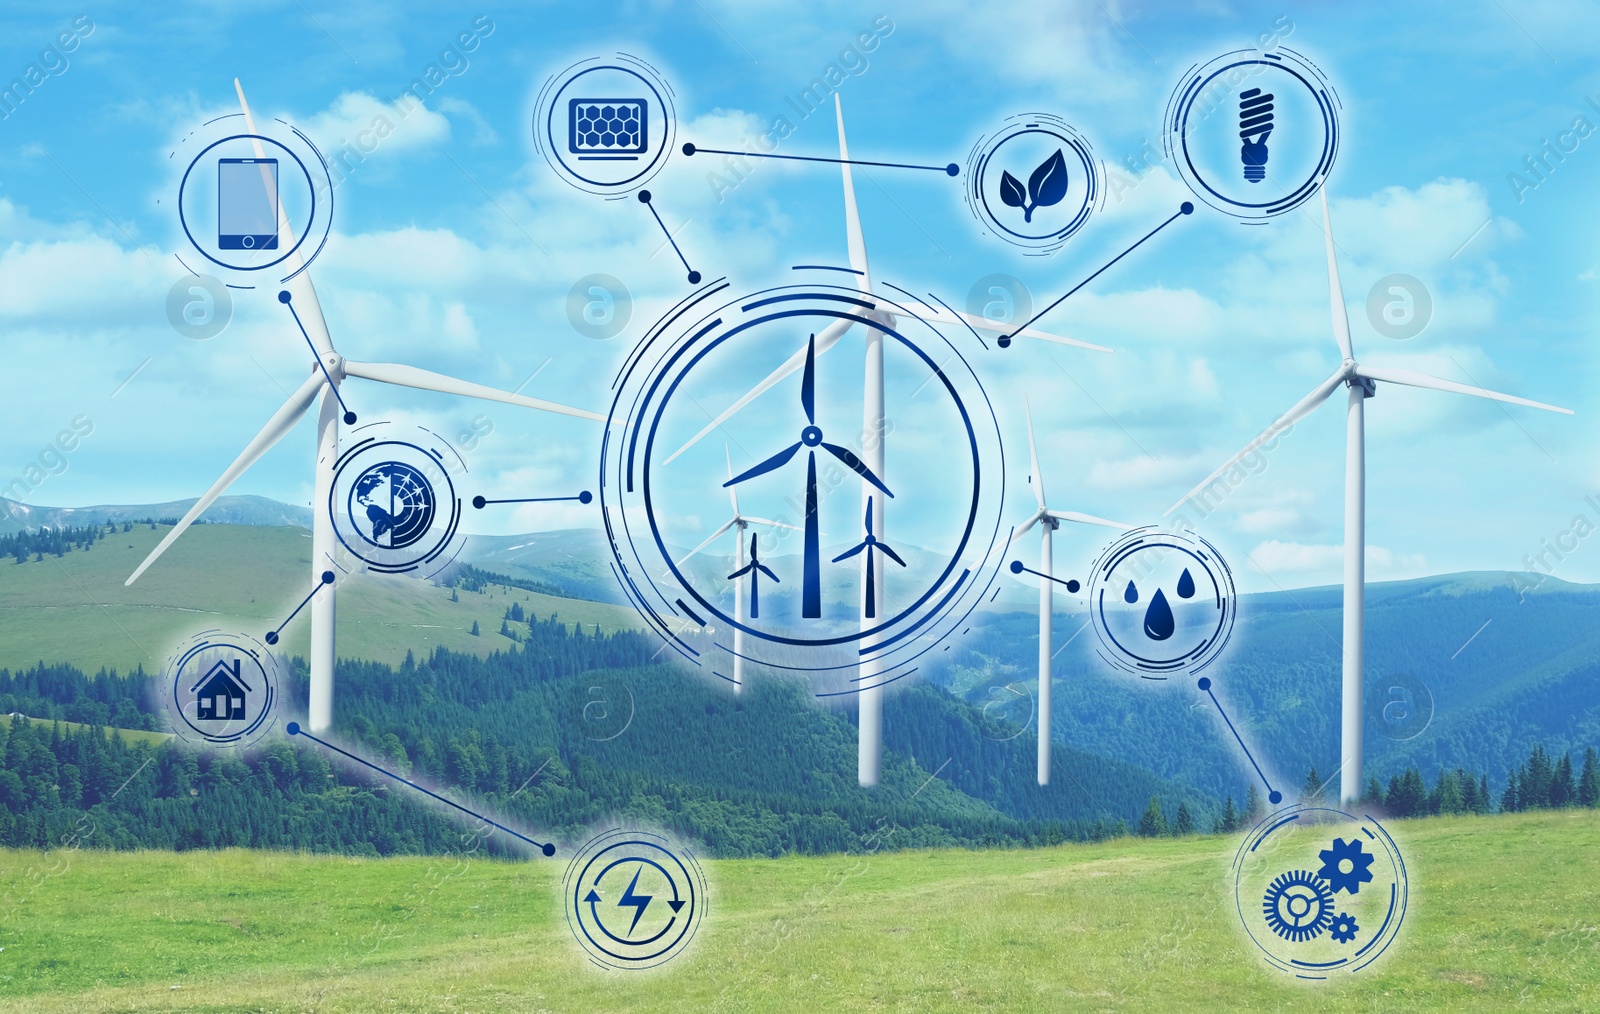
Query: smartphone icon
{"points": [[247, 203]]}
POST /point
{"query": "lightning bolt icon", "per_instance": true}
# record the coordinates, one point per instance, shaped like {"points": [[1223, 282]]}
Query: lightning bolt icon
{"points": [[638, 901]]}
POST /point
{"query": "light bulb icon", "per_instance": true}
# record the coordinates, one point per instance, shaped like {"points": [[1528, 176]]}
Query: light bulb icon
{"points": [[1255, 117]]}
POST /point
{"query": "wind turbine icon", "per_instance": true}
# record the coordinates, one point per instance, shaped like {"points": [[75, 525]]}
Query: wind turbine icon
{"points": [[1048, 521], [755, 568], [869, 753], [1362, 383], [811, 437], [870, 544], [328, 370], [739, 522]]}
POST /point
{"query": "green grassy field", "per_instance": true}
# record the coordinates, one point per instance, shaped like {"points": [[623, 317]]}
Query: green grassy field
{"points": [[1503, 916], [129, 736], [244, 577]]}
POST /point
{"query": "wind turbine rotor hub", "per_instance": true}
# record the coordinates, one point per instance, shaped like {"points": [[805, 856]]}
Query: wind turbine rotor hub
{"points": [[334, 363], [811, 436]]}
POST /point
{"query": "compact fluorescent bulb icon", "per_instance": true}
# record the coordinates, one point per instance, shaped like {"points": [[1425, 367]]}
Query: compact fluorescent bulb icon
{"points": [[1255, 117]]}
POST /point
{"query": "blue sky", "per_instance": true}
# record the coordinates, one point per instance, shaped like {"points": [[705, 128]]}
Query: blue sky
{"points": [[454, 247]]}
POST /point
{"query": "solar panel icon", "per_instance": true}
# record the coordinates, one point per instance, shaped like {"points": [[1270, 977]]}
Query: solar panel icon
{"points": [[608, 130]]}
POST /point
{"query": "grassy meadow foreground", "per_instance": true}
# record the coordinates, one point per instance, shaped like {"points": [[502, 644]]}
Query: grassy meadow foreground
{"points": [[1503, 916]]}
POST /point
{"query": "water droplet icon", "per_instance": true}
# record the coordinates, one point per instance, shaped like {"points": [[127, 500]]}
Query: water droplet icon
{"points": [[1186, 585], [1131, 595], [1158, 622]]}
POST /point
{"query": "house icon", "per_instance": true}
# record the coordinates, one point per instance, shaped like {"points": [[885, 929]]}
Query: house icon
{"points": [[219, 696]]}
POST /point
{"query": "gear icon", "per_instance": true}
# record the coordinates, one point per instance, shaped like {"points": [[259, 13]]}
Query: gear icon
{"points": [[1344, 927], [1298, 905], [1334, 860]]}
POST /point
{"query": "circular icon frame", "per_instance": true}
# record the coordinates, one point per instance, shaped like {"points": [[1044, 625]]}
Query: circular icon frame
{"points": [[604, 864], [1116, 575], [1311, 920], [1197, 93], [671, 598], [416, 456], [557, 112], [293, 148], [218, 700], [990, 187]]}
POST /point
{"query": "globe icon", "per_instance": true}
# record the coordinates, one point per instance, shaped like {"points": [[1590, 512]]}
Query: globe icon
{"points": [[391, 505]]}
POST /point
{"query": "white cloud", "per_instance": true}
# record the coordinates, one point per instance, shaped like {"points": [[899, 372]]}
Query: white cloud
{"points": [[1292, 564], [368, 124]]}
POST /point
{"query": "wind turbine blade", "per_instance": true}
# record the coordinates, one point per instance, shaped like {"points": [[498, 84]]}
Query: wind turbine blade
{"points": [[1411, 378], [425, 380], [772, 524], [1089, 519], [1035, 518], [1341, 319], [860, 467], [1034, 478], [847, 554], [709, 540], [891, 554], [852, 219], [767, 571], [299, 285], [1303, 408], [808, 384], [776, 461], [939, 315], [281, 423], [747, 568], [827, 338], [733, 492]]}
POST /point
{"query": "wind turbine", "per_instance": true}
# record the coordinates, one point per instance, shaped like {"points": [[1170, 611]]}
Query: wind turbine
{"points": [[740, 523], [811, 438], [1362, 383], [871, 544], [869, 747], [755, 568], [327, 372], [1048, 521]]}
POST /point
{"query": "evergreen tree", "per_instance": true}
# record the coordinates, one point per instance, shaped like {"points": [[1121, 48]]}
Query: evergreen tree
{"points": [[1153, 823], [1183, 824], [1534, 791], [1485, 801], [1408, 795], [1311, 793], [1374, 793], [1589, 781], [475, 628], [1469, 791], [1509, 801], [1448, 796], [505, 629], [1563, 790], [1254, 808], [455, 595], [1229, 821]]}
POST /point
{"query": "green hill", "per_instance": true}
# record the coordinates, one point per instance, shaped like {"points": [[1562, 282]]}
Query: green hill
{"points": [[75, 609], [1501, 918]]}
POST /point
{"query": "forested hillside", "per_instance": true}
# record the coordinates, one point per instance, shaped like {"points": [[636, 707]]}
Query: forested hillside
{"points": [[555, 735]]}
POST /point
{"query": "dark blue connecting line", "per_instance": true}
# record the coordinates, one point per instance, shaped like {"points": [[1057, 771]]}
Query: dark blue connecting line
{"points": [[294, 729]]}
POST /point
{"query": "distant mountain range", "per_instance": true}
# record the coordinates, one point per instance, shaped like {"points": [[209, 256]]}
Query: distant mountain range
{"points": [[1503, 669], [228, 510]]}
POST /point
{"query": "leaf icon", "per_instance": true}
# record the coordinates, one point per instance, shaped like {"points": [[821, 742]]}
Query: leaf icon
{"points": [[1011, 190], [1048, 184]]}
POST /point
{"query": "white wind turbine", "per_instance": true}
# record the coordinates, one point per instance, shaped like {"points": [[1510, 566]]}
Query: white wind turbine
{"points": [[327, 372], [1048, 521], [738, 523], [1362, 384], [869, 751]]}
